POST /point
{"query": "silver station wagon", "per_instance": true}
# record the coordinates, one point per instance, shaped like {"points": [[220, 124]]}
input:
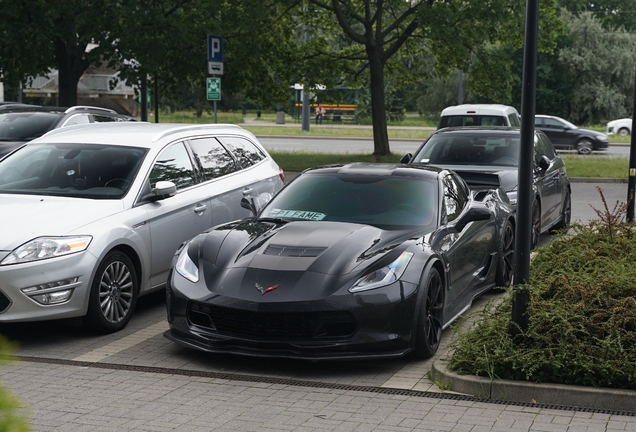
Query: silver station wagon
{"points": [[91, 215]]}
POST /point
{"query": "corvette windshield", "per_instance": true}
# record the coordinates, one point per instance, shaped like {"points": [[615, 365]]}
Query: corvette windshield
{"points": [[387, 202], [71, 170], [471, 149]]}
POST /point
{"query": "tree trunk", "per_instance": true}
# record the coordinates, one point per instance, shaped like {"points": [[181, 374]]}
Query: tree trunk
{"points": [[70, 65], [378, 109]]}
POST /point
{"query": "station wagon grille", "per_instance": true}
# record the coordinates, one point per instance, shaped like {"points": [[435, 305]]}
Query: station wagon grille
{"points": [[306, 325]]}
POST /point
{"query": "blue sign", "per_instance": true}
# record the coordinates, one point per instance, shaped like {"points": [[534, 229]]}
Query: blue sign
{"points": [[215, 48]]}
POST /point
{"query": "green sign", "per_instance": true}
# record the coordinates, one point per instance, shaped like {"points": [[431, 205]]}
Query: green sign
{"points": [[214, 89]]}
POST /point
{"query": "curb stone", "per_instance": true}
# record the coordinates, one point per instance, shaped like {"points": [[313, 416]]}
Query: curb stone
{"points": [[528, 392]]}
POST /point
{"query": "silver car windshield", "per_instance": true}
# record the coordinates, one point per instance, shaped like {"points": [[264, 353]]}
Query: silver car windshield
{"points": [[465, 149], [71, 170], [386, 202]]}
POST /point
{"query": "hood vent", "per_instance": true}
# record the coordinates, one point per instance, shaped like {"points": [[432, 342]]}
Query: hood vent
{"points": [[294, 251]]}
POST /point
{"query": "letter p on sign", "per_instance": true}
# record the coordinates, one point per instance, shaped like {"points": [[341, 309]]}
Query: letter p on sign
{"points": [[215, 48]]}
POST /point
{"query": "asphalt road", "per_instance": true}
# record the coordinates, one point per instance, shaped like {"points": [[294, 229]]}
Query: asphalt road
{"points": [[365, 145]]}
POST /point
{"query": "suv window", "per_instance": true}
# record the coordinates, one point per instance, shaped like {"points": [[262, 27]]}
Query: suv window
{"points": [[245, 151], [215, 160], [514, 120], [173, 164], [104, 118]]}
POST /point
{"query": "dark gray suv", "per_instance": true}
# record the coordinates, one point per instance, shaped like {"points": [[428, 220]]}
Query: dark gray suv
{"points": [[23, 123]]}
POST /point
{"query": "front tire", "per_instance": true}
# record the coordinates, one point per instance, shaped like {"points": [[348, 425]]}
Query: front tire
{"points": [[584, 146], [429, 317], [506, 267], [623, 132], [113, 294], [566, 214]]}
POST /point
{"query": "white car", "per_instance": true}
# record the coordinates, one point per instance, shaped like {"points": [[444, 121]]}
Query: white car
{"points": [[621, 127], [92, 215], [478, 115]]}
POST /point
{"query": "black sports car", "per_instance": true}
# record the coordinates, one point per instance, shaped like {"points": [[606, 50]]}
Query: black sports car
{"points": [[346, 261], [488, 156]]}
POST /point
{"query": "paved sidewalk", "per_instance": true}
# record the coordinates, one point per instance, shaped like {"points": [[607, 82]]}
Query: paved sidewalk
{"points": [[72, 398]]}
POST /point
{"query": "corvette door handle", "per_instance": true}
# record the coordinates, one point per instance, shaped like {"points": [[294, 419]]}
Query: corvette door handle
{"points": [[200, 208]]}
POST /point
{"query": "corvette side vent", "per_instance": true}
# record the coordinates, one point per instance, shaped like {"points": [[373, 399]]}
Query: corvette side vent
{"points": [[293, 251]]}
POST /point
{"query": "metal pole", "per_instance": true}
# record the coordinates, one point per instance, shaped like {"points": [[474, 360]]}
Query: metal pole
{"points": [[305, 122], [631, 182], [460, 98], [215, 113], [144, 98], [156, 88], [521, 297]]}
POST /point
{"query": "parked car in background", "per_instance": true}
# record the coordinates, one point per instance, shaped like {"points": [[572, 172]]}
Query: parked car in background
{"points": [[91, 216], [347, 261], [478, 115], [564, 135], [20, 123], [488, 157], [622, 127]]}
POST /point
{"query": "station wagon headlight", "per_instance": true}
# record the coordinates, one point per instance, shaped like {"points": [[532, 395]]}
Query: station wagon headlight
{"points": [[186, 267], [43, 248], [383, 276]]}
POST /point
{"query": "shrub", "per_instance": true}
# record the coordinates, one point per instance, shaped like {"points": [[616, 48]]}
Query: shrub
{"points": [[10, 420], [582, 317]]}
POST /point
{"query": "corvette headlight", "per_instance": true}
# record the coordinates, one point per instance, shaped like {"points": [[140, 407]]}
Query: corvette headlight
{"points": [[383, 276], [47, 247], [186, 267]]}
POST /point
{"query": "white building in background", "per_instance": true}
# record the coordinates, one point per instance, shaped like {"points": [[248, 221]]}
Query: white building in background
{"points": [[93, 89]]}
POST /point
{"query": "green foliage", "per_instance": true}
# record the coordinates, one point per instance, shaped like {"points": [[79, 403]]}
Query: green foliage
{"points": [[10, 419], [603, 63], [582, 326]]}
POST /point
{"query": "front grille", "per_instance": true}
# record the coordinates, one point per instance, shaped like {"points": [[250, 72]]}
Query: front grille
{"points": [[4, 302], [293, 251], [297, 325]]}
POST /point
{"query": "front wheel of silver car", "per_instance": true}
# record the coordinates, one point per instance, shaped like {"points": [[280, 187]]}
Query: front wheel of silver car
{"points": [[429, 317], [623, 132], [113, 294], [584, 146]]}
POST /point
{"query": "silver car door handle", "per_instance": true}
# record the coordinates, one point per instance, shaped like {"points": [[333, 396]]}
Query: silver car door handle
{"points": [[200, 208], [247, 191]]}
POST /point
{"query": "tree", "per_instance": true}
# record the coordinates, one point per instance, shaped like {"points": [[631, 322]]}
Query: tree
{"points": [[456, 32], [612, 13], [602, 63], [39, 35]]}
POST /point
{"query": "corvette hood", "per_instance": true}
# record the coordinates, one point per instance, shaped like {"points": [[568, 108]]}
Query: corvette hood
{"points": [[24, 217], [332, 248]]}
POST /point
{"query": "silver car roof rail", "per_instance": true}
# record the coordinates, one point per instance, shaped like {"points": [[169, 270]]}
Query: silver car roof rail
{"points": [[202, 127], [83, 107]]}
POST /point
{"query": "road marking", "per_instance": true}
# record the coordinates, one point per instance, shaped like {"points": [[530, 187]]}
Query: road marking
{"points": [[124, 343]]}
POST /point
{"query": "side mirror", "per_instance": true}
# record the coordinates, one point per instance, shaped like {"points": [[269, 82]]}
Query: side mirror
{"points": [[248, 203], [544, 163], [162, 190], [475, 213], [255, 204], [406, 158]]}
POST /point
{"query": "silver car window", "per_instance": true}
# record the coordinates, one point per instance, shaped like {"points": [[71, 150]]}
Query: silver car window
{"points": [[215, 160], [245, 151], [173, 164]]}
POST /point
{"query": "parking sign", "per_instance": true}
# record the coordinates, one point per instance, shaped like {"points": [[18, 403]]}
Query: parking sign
{"points": [[215, 48], [214, 89]]}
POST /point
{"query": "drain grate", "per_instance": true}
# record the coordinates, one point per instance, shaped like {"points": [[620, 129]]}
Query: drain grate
{"points": [[314, 384]]}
